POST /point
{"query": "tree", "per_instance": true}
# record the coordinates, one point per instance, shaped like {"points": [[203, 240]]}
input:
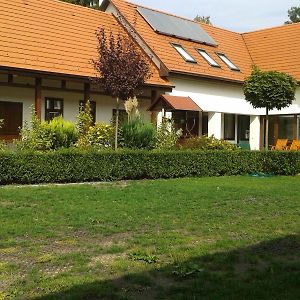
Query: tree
{"points": [[122, 68], [269, 90], [203, 19], [294, 15], [87, 3]]}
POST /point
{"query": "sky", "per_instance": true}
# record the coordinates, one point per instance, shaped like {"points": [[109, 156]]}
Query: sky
{"points": [[236, 15]]}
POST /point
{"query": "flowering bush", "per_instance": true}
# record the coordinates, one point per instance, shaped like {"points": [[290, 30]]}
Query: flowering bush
{"points": [[44, 135], [206, 143], [83, 124], [100, 135], [167, 136]]}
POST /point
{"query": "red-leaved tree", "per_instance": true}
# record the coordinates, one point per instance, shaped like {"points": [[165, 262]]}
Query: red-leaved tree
{"points": [[122, 67]]}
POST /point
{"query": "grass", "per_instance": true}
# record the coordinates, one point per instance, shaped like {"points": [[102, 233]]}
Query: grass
{"points": [[208, 238]]}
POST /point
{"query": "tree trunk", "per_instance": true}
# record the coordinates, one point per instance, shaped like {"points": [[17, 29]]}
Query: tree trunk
{"points": [[117, 124], [267, 131]]}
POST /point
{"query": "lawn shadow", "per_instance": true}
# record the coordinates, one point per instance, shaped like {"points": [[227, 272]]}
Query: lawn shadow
{"points": [[268, 270]]}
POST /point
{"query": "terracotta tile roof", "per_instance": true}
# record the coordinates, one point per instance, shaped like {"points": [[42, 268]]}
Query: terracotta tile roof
{"points": [[230, 43], [174, 103], [54, 36], [276, 48]]}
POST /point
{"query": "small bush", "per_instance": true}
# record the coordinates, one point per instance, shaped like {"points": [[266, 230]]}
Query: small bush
{"points": [[167, 136], [100, 135], [44, 135], [64, 133], [138, 134], [35, 136], [83, 124], [206, 143]]}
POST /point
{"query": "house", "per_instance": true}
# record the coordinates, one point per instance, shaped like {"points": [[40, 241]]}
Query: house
{"points": [[208, 65], [46, 52], [197, 73]]}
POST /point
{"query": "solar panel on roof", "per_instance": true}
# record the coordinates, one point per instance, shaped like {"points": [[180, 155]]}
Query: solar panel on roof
{"points": [[175, 26]]}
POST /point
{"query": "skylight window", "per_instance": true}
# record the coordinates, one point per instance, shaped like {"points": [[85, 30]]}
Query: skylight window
{"points": [[184, 54], [228, 62], [208, 58]]}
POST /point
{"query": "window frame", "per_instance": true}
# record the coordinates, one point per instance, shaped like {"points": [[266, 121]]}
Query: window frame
{"points": [[222, 55], [53, 110], [193, 61], [216, 65]]}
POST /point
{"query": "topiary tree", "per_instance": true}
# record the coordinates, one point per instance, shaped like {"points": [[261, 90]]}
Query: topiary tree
{"points": [[122, 68], [269, 90]]}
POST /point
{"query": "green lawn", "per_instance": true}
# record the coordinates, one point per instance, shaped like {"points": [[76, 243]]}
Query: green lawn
{"points": [[208, 238]]}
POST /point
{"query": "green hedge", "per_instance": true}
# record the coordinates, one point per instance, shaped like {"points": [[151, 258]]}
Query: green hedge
{"points": [[76, 166]]}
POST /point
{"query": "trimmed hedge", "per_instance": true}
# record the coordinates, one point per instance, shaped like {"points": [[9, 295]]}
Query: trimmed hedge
{"points": [[78, 166]]}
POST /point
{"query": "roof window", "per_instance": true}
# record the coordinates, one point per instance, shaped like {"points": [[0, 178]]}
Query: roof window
{"points": [[208, 58], [187, 57], [228, 62]]}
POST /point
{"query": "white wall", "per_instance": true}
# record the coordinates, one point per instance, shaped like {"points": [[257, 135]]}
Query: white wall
{"points": [[24, 95], [217, 98], [104, 104]]}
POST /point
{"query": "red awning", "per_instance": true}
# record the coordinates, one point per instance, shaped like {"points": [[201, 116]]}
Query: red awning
{"points": [[170, 103]]}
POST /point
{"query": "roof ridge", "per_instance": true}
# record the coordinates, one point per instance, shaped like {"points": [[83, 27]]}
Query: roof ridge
{"points": [[161, 11], [270, 28], [77, 6]]}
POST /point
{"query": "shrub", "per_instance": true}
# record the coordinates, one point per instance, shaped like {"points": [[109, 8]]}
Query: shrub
{"points": [[44, 135], [167, 136], [83, 124], [64, 133], [100, 135], [206, 143], [73, 165], [35, 136], [138, 134]]}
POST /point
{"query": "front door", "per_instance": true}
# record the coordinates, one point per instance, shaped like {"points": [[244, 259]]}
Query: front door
{"points": [[11, 113]]}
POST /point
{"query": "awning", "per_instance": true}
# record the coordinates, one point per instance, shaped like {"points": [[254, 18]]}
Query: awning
{"points": [[170, 103]]}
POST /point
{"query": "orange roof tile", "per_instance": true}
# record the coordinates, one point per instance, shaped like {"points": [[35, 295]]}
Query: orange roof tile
{"points": [[276, 48], [230, 43], [271, 49], [54, 36]]}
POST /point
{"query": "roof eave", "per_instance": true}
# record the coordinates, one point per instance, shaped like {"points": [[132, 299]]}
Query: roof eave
{"points": [[206, 76]]}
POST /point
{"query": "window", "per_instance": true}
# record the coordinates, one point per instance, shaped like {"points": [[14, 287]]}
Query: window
{"points": [[243, 128], [205, 123], [187, 57], [188, 121], [93, 109], [228, 62], [208, 58], [229, 127], [53, 108]]}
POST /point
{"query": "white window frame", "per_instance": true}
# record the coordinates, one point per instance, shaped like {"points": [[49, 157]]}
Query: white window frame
{"points": [[227, 61], [208, 58], [184, 54]]}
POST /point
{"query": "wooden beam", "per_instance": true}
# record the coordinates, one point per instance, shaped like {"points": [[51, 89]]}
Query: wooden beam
{"points": [[10, 78], [87, 92], [63, 84], [38, 98], [154, 96]]}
